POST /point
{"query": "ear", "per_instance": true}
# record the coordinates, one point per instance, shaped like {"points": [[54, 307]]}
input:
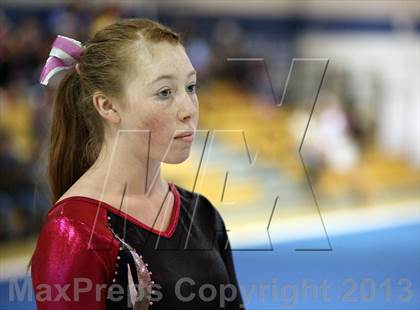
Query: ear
{"points": [[105, 107]]}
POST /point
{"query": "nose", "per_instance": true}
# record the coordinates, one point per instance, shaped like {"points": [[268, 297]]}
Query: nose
{"points": [[183, 115], [188, 107]]}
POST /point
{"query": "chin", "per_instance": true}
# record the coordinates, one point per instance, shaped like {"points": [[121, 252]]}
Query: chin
{"points": [[176, 158]]}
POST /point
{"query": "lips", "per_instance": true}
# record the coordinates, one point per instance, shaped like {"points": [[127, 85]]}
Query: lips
{"points": [[184, 134]]}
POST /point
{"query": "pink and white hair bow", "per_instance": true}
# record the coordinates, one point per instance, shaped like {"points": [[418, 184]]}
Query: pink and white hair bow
{"points": [[64, 54]]}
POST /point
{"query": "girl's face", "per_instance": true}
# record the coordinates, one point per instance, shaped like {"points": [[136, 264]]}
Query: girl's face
{"points": [[161, 99]]}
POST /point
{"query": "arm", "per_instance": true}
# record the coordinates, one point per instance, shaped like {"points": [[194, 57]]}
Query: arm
{"points": [[66, 274]]}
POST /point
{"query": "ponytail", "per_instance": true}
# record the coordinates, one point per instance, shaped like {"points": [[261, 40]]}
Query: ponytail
{"points": [[69, 155]]}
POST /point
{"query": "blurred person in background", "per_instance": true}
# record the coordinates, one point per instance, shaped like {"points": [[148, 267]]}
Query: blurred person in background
{"points": [[6, 202], [329, 145], [16, 193], [16, 118], [336, 145]]}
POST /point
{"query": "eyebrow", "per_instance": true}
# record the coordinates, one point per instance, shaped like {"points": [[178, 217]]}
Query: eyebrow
{"points": [[170, 76]]}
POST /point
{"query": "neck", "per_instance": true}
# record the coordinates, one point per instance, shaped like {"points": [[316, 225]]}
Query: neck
{"points": [[120, 173]]}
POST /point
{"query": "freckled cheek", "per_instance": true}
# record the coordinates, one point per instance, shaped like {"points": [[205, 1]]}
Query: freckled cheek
{"points": [[160, 127]]}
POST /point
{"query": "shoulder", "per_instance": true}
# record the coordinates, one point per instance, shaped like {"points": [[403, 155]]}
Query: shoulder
{"points": [[76, 252], [80, 214], [74, 234]]}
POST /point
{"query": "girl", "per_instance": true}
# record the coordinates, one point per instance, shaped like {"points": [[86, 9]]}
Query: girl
{"points": [[118, 235]]}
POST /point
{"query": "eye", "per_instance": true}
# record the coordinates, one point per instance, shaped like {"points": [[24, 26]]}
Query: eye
{"points": [[193, 88], [165, 93]]}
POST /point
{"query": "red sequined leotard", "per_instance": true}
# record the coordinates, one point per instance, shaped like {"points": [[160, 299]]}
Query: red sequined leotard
{"points": [[90, 255]]}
